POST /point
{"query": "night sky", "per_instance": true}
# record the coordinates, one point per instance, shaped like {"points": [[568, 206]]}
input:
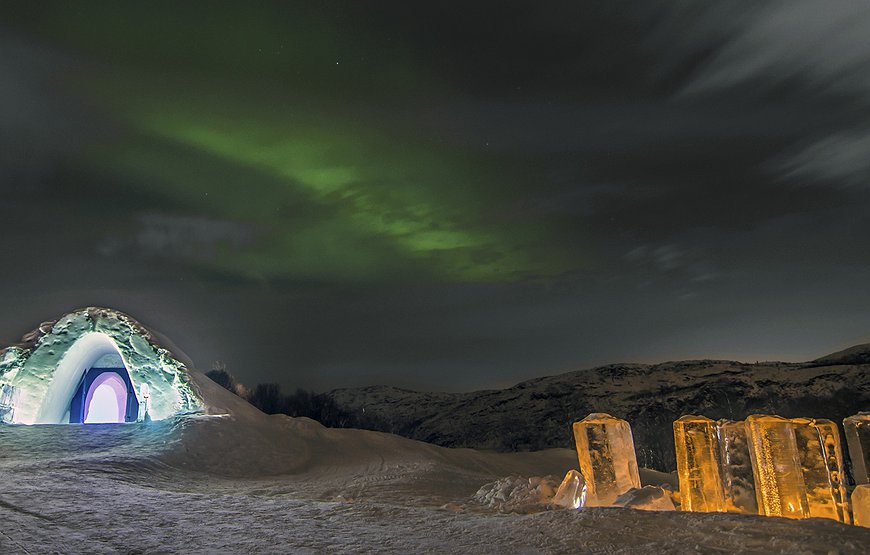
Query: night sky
{"points": [[441, 195]]}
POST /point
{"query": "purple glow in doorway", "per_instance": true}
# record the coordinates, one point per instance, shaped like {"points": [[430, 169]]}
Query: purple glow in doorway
{"points": [[106, 400]]}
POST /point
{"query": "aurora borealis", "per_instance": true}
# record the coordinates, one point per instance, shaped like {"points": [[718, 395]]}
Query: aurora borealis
{"points": [[441, 196], [377, 202]]}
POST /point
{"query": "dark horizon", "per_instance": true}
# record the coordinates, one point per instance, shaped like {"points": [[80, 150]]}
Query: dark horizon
{"points": [[443, 197], [290, 386]]}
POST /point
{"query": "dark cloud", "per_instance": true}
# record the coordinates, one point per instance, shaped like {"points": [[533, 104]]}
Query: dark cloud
{"points": [[39, 127], [445, 196], [815, 49], [839, 160], [190, 238]]}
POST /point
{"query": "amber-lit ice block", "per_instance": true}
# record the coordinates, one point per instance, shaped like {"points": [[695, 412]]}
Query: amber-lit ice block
{"points": [[605, 449], [779, 482], [861, 505], [570, 492], [858, 440], [821, 458], [697, 449], [830, 437], [738, 482]]}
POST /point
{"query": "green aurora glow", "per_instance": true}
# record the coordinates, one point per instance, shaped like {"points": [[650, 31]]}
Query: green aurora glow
{"points": [[332, 192]]}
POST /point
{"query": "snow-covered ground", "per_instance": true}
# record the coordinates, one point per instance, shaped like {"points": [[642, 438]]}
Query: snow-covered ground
{"points": [[237, 481]]}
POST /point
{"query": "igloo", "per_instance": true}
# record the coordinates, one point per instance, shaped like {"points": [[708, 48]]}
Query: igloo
{"points": [[93, 365]]}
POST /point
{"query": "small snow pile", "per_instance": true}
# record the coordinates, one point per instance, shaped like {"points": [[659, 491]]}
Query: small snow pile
{"points": [[647, 498], [517, 494], [572, 491]]}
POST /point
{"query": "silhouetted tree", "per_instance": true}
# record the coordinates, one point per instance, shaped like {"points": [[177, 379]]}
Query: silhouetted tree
{"points": [[300, 403], [267, 397], [223, 378]]}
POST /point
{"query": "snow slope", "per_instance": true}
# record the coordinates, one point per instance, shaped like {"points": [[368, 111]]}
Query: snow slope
{"points": [[237, 481]]}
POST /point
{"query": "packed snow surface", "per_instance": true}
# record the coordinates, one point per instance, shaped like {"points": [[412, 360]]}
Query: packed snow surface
{"points": [[236, 481]]}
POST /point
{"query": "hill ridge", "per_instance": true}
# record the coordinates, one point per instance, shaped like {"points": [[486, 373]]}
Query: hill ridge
{"points": [[537, 413]]}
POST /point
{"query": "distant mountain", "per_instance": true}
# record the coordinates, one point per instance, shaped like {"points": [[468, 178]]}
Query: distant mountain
{"points": [[859, 354], [538, 413]]}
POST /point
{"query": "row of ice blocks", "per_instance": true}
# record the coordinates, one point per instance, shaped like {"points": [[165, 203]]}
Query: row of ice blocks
{"points": [[768, 465]]}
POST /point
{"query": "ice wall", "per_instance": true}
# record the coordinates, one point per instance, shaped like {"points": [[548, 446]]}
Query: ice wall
{"points": [[46, 373]]}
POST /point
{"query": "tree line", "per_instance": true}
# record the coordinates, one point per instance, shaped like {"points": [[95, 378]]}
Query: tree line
{"points": [[269, 398]]}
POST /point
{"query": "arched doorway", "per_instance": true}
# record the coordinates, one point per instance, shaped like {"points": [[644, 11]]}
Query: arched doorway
{"points": [[105, 395], [92, 354], [106, 400]]}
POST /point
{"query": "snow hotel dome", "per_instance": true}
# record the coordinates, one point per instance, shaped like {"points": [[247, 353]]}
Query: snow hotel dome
{"points": [[93, 365]]}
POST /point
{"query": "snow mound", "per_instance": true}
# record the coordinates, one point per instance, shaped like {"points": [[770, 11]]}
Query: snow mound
{"points": [[516, 494], [647, 498]]}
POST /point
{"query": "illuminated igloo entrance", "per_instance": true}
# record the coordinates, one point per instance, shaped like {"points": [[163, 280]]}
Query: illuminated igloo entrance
{"points": [[92, 366], [106, 395]]}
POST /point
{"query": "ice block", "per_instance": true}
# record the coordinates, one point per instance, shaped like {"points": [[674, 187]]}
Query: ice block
{"points": [[818, 449], [779, 482], [605, 449], [570, 492], [861, 505], [697, 449], [858, 440], [830, 436], [738, 481]]}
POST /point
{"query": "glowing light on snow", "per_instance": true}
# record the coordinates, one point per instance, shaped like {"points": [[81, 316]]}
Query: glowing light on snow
{"points": [[107, 400]]}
